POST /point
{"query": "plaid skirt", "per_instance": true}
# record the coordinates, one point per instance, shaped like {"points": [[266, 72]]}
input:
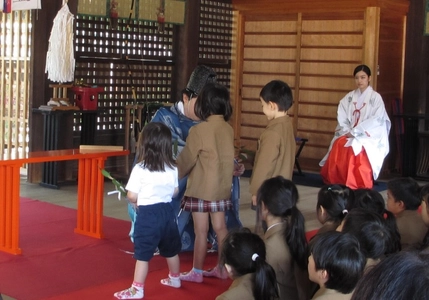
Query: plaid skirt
{"points": [[199, 205]]}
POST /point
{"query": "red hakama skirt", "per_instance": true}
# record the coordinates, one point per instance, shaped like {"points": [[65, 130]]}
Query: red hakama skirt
{"points": [[344, 167]]}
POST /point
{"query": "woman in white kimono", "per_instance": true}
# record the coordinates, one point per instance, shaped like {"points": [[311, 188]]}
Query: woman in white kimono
{"points": [[361, 140]]}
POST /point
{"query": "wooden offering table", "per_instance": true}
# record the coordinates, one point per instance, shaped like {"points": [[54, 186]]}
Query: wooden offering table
{"points": [[89, 195]]}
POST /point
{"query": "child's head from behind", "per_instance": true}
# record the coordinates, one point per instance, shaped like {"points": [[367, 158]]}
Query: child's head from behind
{"points": [[279, 93], [375, 236], [424, 196], [402, 194], [370, 200], [243, 252], [401, 276], [154, 148], [336, 261], [276, 196], [276, 202], [239, 251], [333, 203], [213, 100]]}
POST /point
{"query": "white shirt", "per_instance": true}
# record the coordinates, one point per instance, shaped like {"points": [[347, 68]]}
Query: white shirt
{"points": [[152, 187]]}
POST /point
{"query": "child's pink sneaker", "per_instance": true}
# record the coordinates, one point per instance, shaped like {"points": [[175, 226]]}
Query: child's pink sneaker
{"points": [[191, 276], [216, 272]]}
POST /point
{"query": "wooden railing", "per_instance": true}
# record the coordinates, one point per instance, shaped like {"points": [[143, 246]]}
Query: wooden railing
{"points": [[89, 195]]}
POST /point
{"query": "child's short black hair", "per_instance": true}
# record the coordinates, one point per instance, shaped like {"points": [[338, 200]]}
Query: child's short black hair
{"points": [[340, 255], [407, 190], [279, 93], [213, 100], [369, 199], [402, 276]]}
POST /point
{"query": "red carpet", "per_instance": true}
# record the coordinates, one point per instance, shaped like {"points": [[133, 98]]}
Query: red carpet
{"points": [[58, 264]]}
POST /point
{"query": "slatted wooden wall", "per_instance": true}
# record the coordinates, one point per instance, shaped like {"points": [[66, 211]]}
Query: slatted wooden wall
{"points": [[15, 36], [315, 55], [314, 45]]}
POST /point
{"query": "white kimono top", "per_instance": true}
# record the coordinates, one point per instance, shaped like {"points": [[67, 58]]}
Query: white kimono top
{"points": [[365, 117]]}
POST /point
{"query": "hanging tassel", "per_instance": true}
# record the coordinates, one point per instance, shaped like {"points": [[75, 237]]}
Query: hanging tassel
{"points": [[60, 62]]}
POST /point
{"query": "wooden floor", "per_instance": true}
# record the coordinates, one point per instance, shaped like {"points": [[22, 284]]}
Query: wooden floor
{"points": [[67, 195]]}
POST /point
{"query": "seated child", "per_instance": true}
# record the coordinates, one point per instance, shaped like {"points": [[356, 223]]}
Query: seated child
{"points": [[372, 200], [333, 204], [243, 254], [424, 195], [375, 236], [285, 241], [403, 201], [336, 263], [401, 276]]}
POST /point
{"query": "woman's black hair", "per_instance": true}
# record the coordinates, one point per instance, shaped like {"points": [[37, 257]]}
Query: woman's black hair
{"points": [[213, 100], [407, 190], [280, 197], [154, 148], [372, 200], [375, 237], [337, 200], [340, 255], [401, 276], [278, 92], [245, 253], [363, 68]]}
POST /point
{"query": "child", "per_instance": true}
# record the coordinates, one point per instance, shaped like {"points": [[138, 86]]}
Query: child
{"points": [[372, 200], [424, 195], [336, 263], [333, 204], [287, 249], [401, 276], [152, 184], [208, 158], [376, 238], [403, 201], [243, 255], [276, 146]]}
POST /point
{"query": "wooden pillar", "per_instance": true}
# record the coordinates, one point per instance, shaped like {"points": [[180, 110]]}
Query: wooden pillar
{"points": [[186, 38], [371, 34], [416, 78]]}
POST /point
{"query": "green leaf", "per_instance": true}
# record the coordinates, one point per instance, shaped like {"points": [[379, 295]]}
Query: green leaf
{"points": [[119, 186]]}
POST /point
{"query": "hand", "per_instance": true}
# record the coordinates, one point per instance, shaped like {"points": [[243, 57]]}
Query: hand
{"points": [[238, 169], [132, 203], [254, 200]]}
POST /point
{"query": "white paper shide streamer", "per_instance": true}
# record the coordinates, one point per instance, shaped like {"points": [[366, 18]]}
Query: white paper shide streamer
{"points": [[60, 61]]}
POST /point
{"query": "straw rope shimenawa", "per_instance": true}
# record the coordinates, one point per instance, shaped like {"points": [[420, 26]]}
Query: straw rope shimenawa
{"points": [[60, 62]]}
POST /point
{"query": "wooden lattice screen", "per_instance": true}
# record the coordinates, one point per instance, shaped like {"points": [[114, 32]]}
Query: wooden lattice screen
{"points": [[216, 38], [119, 60], [15, 41], [104, 57]]}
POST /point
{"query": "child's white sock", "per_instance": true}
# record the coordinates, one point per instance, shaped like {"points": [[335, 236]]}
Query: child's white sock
{"points": [[134, 292], [173, 280]]}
